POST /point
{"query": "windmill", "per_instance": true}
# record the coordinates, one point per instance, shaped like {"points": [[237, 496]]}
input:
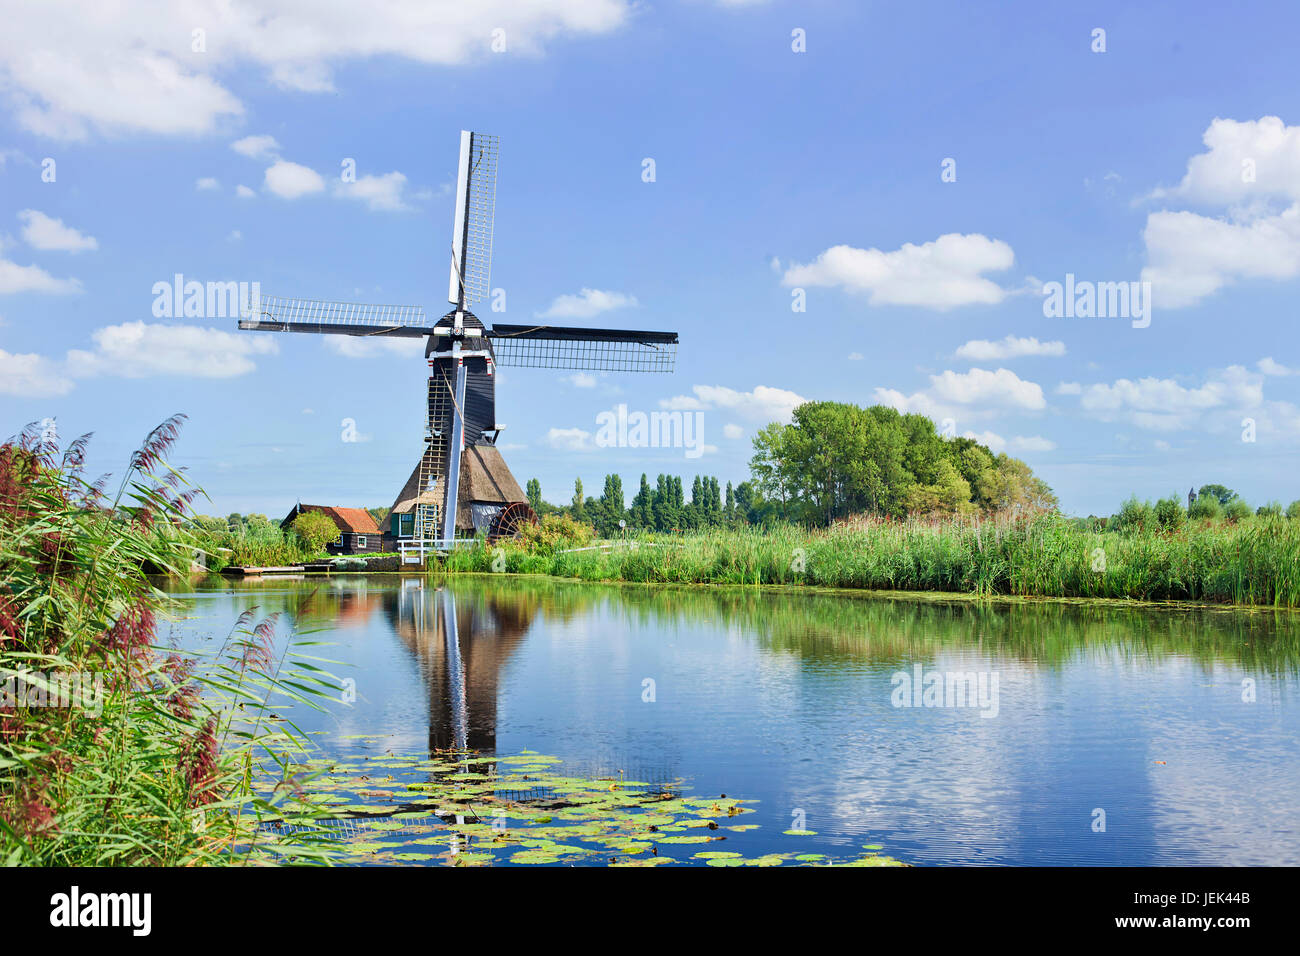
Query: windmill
{"points": [[460, 482]]}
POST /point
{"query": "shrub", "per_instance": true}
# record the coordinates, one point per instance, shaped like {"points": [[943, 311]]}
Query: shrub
{"points": [[1237, 510], [1273, 508], [1169, 513], [1205, 506], [315, 529], [1293, 509], [555, 532], [1134, 515]]}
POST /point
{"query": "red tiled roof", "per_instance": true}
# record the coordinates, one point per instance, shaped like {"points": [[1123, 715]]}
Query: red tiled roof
{"points": [[353, 520]]}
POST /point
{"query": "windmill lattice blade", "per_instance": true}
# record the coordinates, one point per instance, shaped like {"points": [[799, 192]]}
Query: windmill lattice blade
{"points": [[598, 350], [274, 313], [476, 218]]}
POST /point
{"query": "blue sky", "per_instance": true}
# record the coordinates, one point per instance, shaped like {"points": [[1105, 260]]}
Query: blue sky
{"points": [[1173, 157]]}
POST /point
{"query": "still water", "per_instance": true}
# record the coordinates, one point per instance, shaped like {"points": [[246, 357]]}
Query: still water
{"points": [[1091, 734]]}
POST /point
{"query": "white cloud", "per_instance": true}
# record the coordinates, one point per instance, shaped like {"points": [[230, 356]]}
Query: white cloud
{"points": [[763, 404], [243, 192], [982, 350], [257, 147], [586, 304], [129, 67], [1243, 160], [1161, 404], [732, 431], [569, 439], [1270, 367], [207, 182], [15, 278], [992, 440], [1248, 168], [292, 180], [976, 393], [581, 380], [380, 193], [942, 274], [235, 235], [1190, 256], [1002, 388], [140, 350], [374, 346], [855, 356], [51, 235], [31, 376], [1031, 443], [1069, 388]]}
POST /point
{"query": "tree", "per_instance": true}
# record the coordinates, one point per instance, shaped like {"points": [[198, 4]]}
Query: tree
{"points": [[534, 493], [1205, 506], [609, 509], [1237, 509], [1293, 509], [315, 529], [579, 506], [1222, 494], [641, 514]]}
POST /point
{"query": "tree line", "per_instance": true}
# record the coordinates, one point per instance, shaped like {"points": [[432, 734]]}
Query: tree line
{"points": [[833, 460]]}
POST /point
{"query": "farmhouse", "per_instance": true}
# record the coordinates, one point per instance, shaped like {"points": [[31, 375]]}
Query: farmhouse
{"points": [[358, 532]]}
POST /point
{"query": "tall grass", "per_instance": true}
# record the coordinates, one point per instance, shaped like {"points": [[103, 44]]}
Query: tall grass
{"points": [[163, 758], [1254, 561]]}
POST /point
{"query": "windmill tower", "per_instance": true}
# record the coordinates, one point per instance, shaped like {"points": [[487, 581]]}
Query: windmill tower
{"points": [[460, 484]]}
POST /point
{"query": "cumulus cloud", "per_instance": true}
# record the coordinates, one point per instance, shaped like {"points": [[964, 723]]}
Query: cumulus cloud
{"points": [[140, 350], [943, 274], [15, 278], [31, 376], [51, 235], [569, 439], [581, 380], [243, 192], [586, 304], [257, 147], [1270, 367], [292, 180], [763, 404], [1162, 404], [978, 392], [982, 350], [206, 182], [1248, 169], [159, 68], [732, 431], [380, 193]]}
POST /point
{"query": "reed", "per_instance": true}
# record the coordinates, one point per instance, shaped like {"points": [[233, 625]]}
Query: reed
{"points": [[114, 750], [1253, 561]]}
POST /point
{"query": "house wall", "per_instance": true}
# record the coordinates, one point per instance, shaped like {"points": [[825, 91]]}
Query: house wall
{"points": [[356, 543]]}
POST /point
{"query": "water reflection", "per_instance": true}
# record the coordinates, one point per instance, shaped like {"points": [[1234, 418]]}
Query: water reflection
{"points": [[785, 697], [460, 649]]}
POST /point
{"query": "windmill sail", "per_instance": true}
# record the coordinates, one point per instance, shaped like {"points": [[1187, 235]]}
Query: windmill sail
{"points": [[600, 350], [471, 234], [271, 313]]}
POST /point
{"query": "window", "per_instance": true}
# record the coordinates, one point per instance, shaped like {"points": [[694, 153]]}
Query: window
{"points": [[361, 541]]}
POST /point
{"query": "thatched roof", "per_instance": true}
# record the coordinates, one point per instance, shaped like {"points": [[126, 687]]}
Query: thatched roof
{"points": [[484, 477]]}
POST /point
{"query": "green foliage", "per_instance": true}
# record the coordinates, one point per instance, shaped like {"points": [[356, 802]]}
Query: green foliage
{"points": [[1221, 494], [1205, 507], [1254, 561], [835, 460], [534, 494], [146, 760], [1169, 514], [1293, 509], [1237, 510], [315, 530], [1273, 508]]}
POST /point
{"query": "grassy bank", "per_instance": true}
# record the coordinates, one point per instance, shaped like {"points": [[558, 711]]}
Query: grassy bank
{"points": [[1252, 561]]}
